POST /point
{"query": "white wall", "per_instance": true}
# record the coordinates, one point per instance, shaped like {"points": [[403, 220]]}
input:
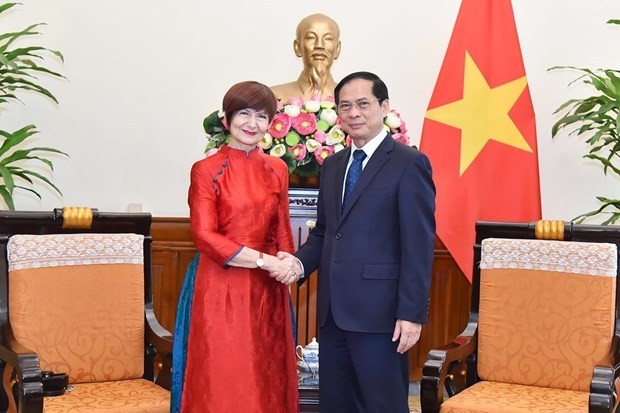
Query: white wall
{"points": [[142, 74]]}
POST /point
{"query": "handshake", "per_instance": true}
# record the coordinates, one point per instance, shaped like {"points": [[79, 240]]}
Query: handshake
{"points": [[284, 268]]}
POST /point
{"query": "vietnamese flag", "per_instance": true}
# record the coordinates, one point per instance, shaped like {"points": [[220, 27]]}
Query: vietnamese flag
{"points": [[479, 131]]}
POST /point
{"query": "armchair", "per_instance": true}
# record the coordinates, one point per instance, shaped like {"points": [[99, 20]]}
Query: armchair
{"points": [[76, 298], [543, 330]]}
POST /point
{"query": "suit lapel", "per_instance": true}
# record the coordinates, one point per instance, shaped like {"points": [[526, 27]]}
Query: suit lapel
{"points": [[342, 168], [375, 163]]}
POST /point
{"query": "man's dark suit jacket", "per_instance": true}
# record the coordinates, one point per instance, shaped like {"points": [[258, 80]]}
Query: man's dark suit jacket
{"points": [[375, 256]]}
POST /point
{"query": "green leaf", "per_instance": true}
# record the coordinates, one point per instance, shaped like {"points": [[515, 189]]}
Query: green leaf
{"points": [[46, 149], [310, 169], [29, 190], [585, 106], [6, 6], [7, 177], [20, 173], [15, 138], [11, 37], [212, 124], [7, 198], [44, 179], [605, 162], [613, 21]]}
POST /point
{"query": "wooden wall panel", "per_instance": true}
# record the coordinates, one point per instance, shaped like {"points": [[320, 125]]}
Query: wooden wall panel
{"points": [[173, 251]]}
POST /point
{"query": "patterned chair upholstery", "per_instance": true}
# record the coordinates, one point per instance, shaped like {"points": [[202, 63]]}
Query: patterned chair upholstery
{"points": [[543, 332], [76, 298]]}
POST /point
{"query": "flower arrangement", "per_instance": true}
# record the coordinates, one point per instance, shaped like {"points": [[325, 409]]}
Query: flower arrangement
{"points": [[302, 133]]}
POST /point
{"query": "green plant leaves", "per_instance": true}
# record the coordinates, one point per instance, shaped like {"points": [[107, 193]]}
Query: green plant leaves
{"points": [[19, 71], [11, 161], [597, 118]]}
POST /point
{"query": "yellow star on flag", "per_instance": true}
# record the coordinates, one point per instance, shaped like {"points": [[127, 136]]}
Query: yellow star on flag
{"points": [[482, 114]]}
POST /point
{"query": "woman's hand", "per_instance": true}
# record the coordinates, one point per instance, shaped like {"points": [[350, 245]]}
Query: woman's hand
{"points": [[285, 270]]}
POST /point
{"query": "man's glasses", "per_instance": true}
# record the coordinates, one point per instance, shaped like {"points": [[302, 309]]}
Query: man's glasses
{"points": [[362, 104]]}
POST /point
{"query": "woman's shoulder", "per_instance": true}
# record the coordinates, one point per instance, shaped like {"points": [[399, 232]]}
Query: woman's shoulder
{"points": [[276, 163], [214, 161]]}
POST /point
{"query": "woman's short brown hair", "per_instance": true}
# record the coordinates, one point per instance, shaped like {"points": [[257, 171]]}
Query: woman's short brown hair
{"points": [[249, 95]]}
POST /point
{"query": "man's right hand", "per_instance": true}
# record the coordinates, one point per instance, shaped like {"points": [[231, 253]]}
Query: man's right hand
{"points": [[284, 268]]}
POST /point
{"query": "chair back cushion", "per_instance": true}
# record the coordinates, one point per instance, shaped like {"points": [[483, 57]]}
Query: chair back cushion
{"points": [[546, 311], [77, 300]]}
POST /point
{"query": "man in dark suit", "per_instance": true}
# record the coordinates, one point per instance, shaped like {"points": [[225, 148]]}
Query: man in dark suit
{"points": [[373, 246]]}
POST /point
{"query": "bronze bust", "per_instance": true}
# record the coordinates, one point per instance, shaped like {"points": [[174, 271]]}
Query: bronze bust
{"points": [[317, 42]]}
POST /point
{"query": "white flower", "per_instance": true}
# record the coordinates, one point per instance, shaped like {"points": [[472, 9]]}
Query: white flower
{"points": [[266, 142], [278, 151], [292, 110], [338, 147], [327, 104], [312, 145], [312, 106], [334, 136], [310, 223], [392, 120], [329, 115]]}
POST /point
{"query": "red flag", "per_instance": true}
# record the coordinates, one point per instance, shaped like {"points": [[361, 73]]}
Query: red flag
{"points": [[479, 131]]}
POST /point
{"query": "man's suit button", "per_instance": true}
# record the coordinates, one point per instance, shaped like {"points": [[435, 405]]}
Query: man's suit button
{"points": [[338, 235]]}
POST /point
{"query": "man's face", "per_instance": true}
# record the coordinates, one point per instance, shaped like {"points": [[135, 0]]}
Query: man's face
{"points": [[318, 44], [364, 118]]}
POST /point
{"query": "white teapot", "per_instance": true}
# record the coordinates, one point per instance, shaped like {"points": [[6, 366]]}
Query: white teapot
{"points": [[308, 364], [310, 353]]}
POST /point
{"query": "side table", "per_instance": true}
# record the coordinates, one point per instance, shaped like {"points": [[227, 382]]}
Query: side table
{"points": [[308, 398]]}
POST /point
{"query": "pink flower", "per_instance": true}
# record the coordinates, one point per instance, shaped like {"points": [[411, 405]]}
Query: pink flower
{"points": [[296, 101], [279, 106], [323, 152], [320, 136], [304, 123], [298, 151], [402, 128], [315, 96], [280, 125], [211, 152], [401, 137]]}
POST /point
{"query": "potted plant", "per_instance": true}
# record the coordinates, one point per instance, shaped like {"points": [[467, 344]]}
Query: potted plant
{"points": [[596, 117], [19, 68]]}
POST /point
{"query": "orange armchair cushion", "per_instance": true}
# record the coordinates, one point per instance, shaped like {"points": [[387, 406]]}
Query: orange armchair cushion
{"points": [[494, 397], [123, 396], [546, 311], [77, 300]]}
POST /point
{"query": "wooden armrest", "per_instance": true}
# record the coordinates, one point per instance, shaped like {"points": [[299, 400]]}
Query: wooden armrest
{"points": [[157, 335], [161, 340], [446, 364], [27, 371]]}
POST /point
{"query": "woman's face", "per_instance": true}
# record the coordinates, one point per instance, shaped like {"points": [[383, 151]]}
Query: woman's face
{"points": [[247, 128]]}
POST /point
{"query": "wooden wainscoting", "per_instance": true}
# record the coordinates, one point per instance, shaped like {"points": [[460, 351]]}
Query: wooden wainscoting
{"points": [[173, 251]]}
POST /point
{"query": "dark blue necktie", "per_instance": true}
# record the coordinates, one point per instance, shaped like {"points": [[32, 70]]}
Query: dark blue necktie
{"points": [[353, 175]]}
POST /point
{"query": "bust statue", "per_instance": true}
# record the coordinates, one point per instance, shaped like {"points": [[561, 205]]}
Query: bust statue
{"points": [[317, 42]]}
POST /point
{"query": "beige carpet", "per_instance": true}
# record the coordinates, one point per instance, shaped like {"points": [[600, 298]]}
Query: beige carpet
{"points": [[414, 404]]}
